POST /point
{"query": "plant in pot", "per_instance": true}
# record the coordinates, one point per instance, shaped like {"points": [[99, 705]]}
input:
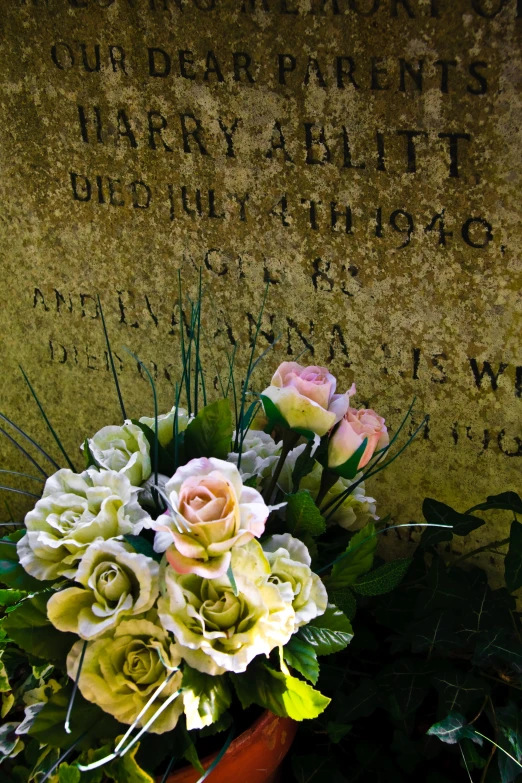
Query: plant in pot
{"points": [[180, 588]]}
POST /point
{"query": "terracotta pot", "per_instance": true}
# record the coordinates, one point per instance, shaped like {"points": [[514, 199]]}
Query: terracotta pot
{"points": [[253, 757]]}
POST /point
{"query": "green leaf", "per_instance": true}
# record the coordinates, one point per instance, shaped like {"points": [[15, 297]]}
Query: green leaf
{"points": [[126, 769], [29, 627], [280, 693], [11, 597], [166, 463], [434, 633], [509, 720], [357, 559], [90, 460], [359, 703], [459, 691], [437, 513], [205, 698], [337, 731], [183, 747], [48, 726], [222, 724], [513, 559], [303, 516], [210, 433], [304, 464], [274, 416], [345, 600], [403, 685], [12, 573], [301, 655], [384, 579], [68, 774], [316, 768], [349, 469], [453, 729], [143, 547], [328, 633], [473, 758], [508, 501]]}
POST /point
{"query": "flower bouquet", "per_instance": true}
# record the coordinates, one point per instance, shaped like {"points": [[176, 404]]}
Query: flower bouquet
{"points": [[198, 564]]}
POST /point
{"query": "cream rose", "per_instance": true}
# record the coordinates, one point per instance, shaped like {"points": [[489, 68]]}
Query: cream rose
{"points": [[259, 456], [290, 561], [124, 449], [166, 424], [305, 397], [218, 631], [75, 510], [116, 581], [354, 427], [122, 670], [210, 512]]}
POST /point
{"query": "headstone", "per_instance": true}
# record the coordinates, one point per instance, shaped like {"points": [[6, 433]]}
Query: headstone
{"points": [[361, 157]]}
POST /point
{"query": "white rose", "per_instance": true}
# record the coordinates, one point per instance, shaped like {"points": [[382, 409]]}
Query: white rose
{"points": [[75, 510], [116, 582], [260, 454], [124, 449], [290, 564]]}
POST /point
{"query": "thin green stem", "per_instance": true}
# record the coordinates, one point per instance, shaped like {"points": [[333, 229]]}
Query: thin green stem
{"points": [[33, 443], [113, 367], [20, 491], [24, 475], [24, 452], [66, 725], [49, 425], [484, 548], [155, 400]]}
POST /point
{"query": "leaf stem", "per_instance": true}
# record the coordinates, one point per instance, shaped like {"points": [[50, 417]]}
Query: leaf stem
{"points": [[485, 548]]}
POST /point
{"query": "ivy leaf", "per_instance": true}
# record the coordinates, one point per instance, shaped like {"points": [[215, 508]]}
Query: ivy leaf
{"points": [[362, 702], [301, 655], [436, 632], [510, 722], [453, 729], [126, 768], [459, 690], [280, 693], [12, 573], [48, 726], [210, 433], [404, 685], [328, 633], [183, 747], [357, 559], [303, 516], [513, 559], [28, 626], [437, 513], [384, 579], [508, 501], [68, 774], [143, 547], [316, 769], [205, 698]]}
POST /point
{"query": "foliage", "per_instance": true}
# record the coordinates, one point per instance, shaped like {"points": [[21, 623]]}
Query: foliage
{"points": [[432, 681]]}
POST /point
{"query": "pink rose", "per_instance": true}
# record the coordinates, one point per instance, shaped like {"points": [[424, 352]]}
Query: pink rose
{"points": [[210, 512], [349, 435], [306, 397]]}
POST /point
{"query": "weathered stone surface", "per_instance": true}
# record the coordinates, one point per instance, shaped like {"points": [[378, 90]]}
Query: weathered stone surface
{"points": [[314, 147]]}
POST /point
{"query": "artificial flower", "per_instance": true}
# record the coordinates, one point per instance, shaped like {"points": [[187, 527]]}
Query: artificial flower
{"points": [[305, 397], [218, 630], [354, 427], [122, 448], [116, 581], [259, 455], [210, 512], [122, 670], [290, 561], [75, 510], [166, 424]]}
